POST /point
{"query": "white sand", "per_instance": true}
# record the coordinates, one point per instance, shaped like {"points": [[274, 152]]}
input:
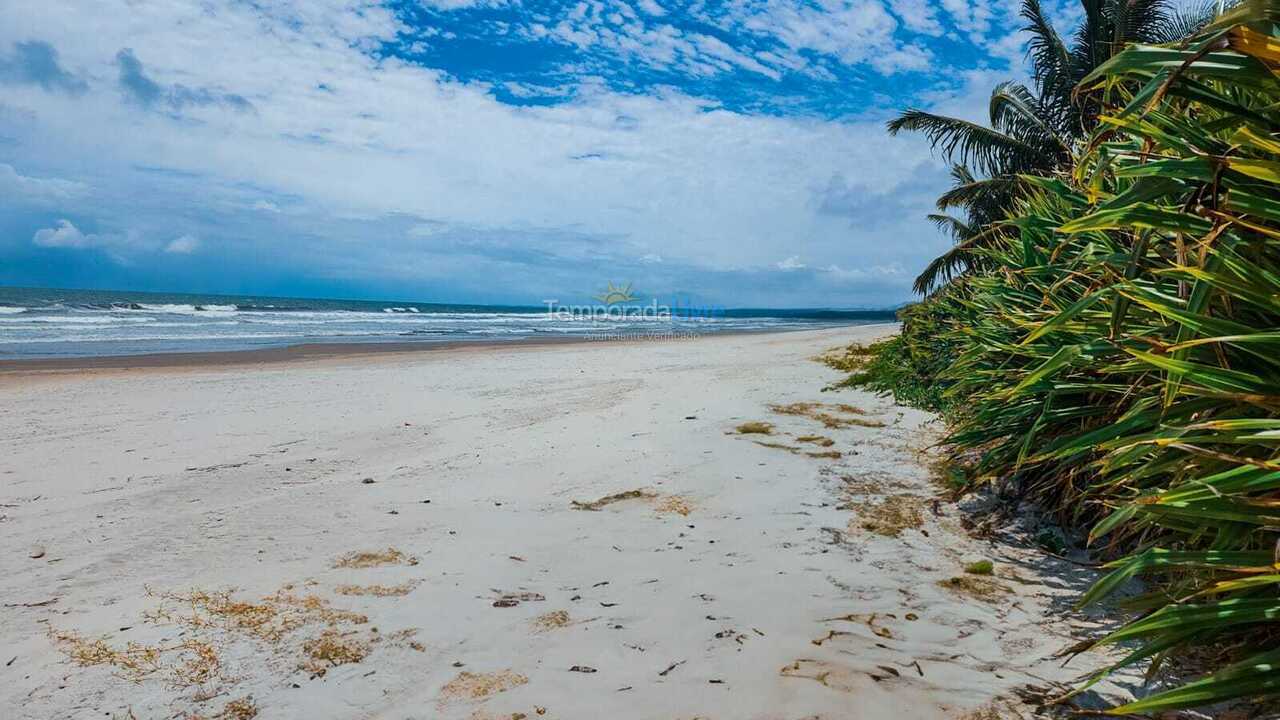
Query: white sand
{"points": [[252, 478]]}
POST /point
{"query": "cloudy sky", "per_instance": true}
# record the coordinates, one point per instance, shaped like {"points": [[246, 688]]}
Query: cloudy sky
{"points": [[484, 150]]}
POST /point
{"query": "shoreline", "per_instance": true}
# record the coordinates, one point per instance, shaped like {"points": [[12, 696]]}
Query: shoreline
{"points": [[321, 351]]}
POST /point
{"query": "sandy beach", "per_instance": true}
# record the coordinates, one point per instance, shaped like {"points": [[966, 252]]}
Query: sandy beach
{"points": [[436, 535]]}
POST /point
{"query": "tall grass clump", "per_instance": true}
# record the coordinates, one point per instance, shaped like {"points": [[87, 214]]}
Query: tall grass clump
{"points": [[1115, 351]]}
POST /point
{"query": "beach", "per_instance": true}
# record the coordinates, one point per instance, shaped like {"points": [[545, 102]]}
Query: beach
{"points": [[568, 530]]}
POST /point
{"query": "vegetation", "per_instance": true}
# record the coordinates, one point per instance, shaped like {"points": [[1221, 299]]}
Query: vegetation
{"points": [[1033, 130], [1112, 346]]}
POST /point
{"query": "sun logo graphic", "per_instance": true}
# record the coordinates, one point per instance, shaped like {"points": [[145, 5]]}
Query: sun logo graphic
{"points": [[614, 295]]}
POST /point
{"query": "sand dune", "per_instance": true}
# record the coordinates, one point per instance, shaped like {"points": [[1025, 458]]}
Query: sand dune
{"points": [[433, 536]]}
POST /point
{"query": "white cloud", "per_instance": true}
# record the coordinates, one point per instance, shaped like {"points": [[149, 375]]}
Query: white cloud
{"points": [[791, 263], [184, 245], [971, 16], [918, 15], [63, 235], [342, 134], [651, 7], [840, 274], [42, 190]]}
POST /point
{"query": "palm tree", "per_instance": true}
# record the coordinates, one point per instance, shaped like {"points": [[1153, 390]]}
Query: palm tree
{"points": [[1033, 131]]}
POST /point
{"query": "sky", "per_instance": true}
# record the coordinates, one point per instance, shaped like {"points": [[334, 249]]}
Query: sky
{"points": [[487, 151]]}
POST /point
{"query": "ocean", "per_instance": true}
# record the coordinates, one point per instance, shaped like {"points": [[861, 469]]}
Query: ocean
{"points": [[49, 323]]}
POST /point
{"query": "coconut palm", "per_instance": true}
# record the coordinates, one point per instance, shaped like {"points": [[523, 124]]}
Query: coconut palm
{"points": [[1032, 130]]}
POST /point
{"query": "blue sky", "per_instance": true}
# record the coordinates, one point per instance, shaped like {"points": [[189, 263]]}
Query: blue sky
{"points": [[485, 150]]}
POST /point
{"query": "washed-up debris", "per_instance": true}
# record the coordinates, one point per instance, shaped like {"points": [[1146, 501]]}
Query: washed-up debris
{"points": [[868, 620], [831, 635], [671, 667], [582, 669], [826, 674], [505, 600], [36, 552], [610, 499]]}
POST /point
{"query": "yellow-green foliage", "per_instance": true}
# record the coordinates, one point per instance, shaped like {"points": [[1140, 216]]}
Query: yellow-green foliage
{"points": [[1115, 349]]}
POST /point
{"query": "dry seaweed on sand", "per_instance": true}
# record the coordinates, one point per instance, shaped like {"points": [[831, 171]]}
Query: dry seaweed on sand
{"points": [[376, 558], [975, 586], [188, 663], [755, 427], [890, 515], [818, 440], [477, 686], [551, 621], [241, 709], [779, 446], [610, 499], [795, 450], [268, 619], [675, 504], [827, 414], [332, 648], [378, 590]]}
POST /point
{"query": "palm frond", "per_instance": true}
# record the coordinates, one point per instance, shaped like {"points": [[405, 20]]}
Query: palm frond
{"points": [[968, 143], [1015, 111], [1050, 59], [1185, 21]]}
